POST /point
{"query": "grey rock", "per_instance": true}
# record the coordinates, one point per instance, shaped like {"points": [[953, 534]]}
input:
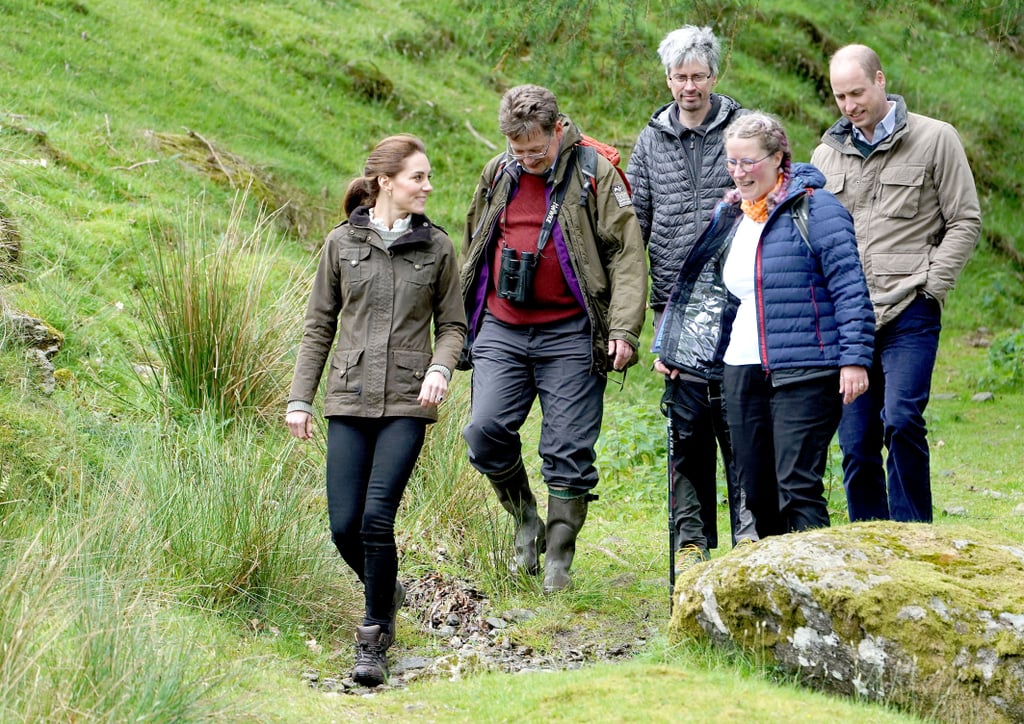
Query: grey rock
{"points": [[925, 618]]}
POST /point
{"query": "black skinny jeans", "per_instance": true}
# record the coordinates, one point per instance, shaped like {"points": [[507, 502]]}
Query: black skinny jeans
{"points": [[369, 462]]}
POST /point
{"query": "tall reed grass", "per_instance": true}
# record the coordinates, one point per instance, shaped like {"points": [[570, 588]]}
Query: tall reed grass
{"points": [[222, 324]]}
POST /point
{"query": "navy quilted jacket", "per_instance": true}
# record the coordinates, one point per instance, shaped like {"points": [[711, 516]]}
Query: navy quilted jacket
{"points": [[814, 310]]}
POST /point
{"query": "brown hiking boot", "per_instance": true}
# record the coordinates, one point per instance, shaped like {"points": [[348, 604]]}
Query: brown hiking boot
{"points": [[371, 667]]}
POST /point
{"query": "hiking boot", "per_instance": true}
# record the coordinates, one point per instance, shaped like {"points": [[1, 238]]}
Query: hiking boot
{"points": [[565, 519], [688, 556], [513, 490], [371, 667], [396, 603]]}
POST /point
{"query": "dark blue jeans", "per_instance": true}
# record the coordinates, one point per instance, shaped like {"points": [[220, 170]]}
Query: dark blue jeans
{"points": [[369, 461], [780, 438], [892, 414], [513, 366]]}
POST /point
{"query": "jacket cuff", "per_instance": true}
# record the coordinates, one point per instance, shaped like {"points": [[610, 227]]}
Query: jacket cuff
{"points": [[445, 372], [299, 406]]}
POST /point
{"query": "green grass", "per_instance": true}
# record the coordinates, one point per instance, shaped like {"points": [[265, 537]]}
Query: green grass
{"points": [[164, 553]]}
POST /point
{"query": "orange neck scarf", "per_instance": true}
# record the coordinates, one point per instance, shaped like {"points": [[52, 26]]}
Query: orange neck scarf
{"points": [[758, 210]]}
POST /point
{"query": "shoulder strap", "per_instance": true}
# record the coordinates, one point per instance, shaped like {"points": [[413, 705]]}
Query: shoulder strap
{"points": [[800, 211], [557, 196], [587, 156]]}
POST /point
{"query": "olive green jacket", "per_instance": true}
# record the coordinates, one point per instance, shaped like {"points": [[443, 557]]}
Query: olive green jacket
{"points": [[380, 303], [602, 239]]}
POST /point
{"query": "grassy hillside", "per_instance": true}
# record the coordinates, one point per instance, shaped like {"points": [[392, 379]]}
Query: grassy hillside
{"points": [[169, 558]]}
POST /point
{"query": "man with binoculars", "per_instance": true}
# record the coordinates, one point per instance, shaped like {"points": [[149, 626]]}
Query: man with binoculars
{"points": [[554, 282]]}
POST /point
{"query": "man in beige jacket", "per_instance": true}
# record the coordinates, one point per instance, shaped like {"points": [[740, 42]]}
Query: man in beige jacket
{"points": [[905, 179]]}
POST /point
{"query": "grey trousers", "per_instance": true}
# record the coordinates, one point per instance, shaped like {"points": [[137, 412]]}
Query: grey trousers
{"points": [[513, 366]]}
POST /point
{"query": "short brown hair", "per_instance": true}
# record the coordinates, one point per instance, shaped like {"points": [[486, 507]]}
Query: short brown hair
{"points": [[526, 109]]}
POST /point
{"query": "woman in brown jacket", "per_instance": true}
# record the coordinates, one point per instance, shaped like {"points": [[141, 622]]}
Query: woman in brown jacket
{"points": [[384, 276]]}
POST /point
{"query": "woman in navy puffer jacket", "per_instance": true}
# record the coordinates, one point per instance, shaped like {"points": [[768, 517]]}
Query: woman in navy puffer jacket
{"points": [[782, 316]]}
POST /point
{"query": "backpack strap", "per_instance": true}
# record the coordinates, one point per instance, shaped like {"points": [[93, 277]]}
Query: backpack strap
{"points": [[800, 211], [587, 159]]}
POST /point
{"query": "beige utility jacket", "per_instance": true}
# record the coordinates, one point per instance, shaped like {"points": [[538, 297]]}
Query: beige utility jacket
{"points": [[914, 206]]}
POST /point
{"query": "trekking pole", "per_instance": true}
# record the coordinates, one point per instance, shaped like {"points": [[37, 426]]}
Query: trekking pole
{"points": [[671, 518]]}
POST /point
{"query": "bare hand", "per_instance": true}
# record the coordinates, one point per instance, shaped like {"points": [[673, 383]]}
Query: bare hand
{"points": [[300, 424], [660, 366], [433, 390], [620, 352], [853, 382]]}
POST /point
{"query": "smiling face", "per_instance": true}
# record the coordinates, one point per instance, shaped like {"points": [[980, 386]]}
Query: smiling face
{"points": [[408, 189], [860, 97], [754, 171]]}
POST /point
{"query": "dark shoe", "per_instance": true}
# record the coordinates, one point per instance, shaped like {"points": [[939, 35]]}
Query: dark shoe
{"points": [[688, 556], [371, 667], [513, 490], [565, 519], [396, 603]]}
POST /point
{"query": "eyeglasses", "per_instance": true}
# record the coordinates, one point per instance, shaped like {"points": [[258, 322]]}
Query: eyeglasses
{"points": [[696, 78], [744, 164], [531, 156]]}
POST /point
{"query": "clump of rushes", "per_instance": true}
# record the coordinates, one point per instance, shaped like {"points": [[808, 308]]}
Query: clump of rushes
{"points": [[221, 322]]}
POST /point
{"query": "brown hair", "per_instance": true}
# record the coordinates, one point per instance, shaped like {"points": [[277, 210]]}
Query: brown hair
{"points": [[386, 159], [526, 109]]}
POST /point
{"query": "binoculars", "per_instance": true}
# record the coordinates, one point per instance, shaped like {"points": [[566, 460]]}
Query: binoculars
{"points": [[515, 276]]}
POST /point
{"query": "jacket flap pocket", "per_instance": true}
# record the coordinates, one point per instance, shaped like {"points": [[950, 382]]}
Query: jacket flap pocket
{"points": [[902, 176], [346, 360], [354, 254], [420, 259], [835, 182], [412, 360], [901, 264]]}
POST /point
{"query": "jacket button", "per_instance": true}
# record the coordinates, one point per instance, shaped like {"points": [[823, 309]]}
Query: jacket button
{"points": [[417, 266], [354, 262]]}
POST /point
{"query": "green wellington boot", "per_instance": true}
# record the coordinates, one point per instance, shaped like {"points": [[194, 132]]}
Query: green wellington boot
{"points": [[565, 519]]}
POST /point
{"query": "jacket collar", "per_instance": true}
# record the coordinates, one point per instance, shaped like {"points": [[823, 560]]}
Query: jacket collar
{"points": [[661, 119], [841, 132], [419, 226]]}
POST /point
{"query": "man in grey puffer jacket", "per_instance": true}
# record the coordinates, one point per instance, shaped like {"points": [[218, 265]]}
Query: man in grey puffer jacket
{"points": [[678, 174]]}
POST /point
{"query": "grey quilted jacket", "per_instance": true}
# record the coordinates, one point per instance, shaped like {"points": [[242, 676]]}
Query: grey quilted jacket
{"points": [[673, 201]]}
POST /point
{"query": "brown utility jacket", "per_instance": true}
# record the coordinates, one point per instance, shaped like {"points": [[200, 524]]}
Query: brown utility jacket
{"points": [[381, 303]]}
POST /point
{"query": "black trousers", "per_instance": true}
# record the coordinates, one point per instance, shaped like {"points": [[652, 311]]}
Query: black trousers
{"points": [[369, 462], [780, 438], [699, 430]]}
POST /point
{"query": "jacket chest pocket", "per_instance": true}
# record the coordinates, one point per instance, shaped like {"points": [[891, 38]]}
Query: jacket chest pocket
{"points": [[899, 193], [354, 265], [416, 267]]}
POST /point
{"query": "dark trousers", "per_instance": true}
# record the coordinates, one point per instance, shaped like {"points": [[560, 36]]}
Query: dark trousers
{"points": [[699, 430], [780, 438], [891, 413], [369, 461], [513, 366]]}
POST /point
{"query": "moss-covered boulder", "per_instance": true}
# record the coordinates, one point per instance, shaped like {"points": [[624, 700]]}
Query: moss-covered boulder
{"points": [[930, 618]]}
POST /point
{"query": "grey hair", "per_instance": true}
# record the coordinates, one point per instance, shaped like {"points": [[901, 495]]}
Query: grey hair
{"points": [[690, 43], [526, 109]]}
